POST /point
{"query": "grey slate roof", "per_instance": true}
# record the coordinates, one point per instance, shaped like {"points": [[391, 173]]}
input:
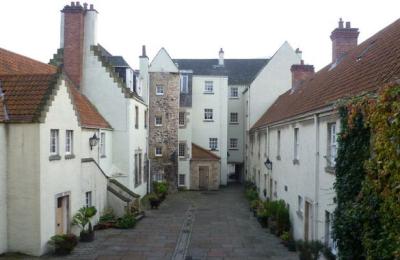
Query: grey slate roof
{"points": [[239, 71], [115, 61]]}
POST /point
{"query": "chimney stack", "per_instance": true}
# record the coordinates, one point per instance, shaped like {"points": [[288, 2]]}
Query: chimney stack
{"points": [[221, 57], [343, 40], [300, 73]]}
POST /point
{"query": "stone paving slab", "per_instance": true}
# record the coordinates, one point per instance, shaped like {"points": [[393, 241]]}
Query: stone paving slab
{"points": [[222, 227]]}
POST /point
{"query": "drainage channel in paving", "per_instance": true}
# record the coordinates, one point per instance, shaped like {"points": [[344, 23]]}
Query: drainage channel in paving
{"points": [[184, 235]]}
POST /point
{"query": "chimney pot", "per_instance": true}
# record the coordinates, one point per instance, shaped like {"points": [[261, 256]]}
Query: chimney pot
{"points": [[144, 51], [348, 26], [302, 62], [91, 7], [221, 57], [340, 23], [72, 3], [85, 5], [78, 4]]}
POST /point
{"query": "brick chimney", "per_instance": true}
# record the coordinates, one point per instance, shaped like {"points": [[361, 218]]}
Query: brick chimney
{"points": [[300, 73], [343, 40], [73, 17]]}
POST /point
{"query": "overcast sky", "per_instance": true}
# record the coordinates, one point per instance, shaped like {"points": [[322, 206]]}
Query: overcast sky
{"points": [[197, 28]]}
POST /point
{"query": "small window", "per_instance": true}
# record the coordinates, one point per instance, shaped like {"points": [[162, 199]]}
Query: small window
{"points": [[181, 118], [159, 90], [234, 118], [88, 199], [181, 181], [208, 114], [299, 204], [233, 143], [158, 151], [69, 141], [278, 146], [332, 144], [145, 119], [158, 175], [103, 144], [213, 142], [209, 87], [158, 120], [136, 117], [296, 144], [182, 149], [54, 142], [184, 84], [234, 92]]}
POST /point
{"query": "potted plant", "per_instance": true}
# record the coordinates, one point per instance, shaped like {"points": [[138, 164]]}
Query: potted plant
{"points": [[154, 200], [107, 220], [161, 189], [126, 222], [63, 244], [254, 206], [82, 219], [285, 238]]}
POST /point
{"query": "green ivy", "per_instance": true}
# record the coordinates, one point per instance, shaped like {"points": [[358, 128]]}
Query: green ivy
{"points": [[367, 217]]}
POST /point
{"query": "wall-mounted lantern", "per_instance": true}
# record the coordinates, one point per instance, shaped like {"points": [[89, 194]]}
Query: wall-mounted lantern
{"points": [[93, 141], [268, 164]]}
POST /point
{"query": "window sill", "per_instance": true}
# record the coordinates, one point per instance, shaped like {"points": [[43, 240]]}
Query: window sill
{"points": [[299, 213], [69, 156], [234, 149], [233, 123], [158, 94], [233, 97], [278, 157], [208, 93], [296, 161], [103, 156], [208, 120], [158, 155], [214, 150], [330, 169], [157, 125], [54, 157]]}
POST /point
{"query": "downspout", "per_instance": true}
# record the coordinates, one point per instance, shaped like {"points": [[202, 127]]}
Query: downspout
{"points": [[316, 198], [3, 99]]}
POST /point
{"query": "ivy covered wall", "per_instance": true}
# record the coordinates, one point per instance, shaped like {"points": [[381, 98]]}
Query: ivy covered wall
{"points": [[367, 218]]}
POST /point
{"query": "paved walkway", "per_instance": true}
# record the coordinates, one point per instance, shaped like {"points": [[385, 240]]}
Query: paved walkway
{"points": [[190, 225]]}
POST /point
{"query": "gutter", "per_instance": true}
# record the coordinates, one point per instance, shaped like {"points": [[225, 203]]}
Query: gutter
{"points": [[3, 99]]}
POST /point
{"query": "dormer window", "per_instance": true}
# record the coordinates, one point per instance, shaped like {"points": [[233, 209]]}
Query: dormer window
{"points": [[184, 84]]}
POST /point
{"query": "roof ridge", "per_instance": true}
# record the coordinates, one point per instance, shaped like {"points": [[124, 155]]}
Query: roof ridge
{"points": [[206, 151], [26, 57]]}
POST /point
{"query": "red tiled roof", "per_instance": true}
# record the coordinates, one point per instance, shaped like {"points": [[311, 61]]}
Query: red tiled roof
{"points": [[199, 153], [88, 114], [25, 95], [370, 65], [13, 63], [27, 85]]}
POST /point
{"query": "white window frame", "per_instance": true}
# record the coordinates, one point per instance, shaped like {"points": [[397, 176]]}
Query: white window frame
{"points": [[332, 144], [69, 142], [184, 149], [208, 114], [158, 176], [233, 143], [208, 87], [102, 144], [158, 151], [159, 90], [234, 93], [237, 118], [180, 178], [88, 199], [157, 123], [296, 144], [185, 84], [54, 142], [278, 145], [182, 119], [213, 143]]}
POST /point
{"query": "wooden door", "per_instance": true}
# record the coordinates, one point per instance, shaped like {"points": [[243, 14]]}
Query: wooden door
{"points": [[203, 177], [62, 215]]}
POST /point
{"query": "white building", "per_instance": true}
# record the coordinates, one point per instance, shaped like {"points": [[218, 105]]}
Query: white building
{"points": [[110, 84], [297, 134], [48, 169]]}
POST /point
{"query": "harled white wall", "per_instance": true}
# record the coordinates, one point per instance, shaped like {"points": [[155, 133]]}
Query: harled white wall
{"points": [[185, 134], [203, 130], [3, 188]]}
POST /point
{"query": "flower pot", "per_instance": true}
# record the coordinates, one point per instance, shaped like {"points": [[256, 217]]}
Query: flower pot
{"points": [[60, 251], [86, 236], [154, 204]]}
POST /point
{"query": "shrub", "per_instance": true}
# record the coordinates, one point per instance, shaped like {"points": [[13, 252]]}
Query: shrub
{"points": [[82, 218], [126, 222], [108, 216], [63, 244], [309, 250], [160, 188], [251, 194]]}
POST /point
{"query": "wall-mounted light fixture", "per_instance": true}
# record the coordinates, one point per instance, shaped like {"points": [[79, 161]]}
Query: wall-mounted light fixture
{"points": [[93, 141], [268, 164]]}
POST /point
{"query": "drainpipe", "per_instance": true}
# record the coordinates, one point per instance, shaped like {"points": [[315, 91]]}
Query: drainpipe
{"points": [[316, 198], [3, 99]]}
